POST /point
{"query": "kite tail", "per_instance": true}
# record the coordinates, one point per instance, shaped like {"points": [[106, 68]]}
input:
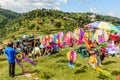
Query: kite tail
{"points": [[30, 61], [18, 62], [104, 72]]}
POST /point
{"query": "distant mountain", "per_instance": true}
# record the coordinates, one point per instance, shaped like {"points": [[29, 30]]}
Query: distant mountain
{"points": [[15, 25], [6, 16], [9, 14]]}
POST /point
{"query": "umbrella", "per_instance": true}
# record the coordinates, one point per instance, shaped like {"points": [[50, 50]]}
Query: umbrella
{"points": [[102, 25], [118, 27]]}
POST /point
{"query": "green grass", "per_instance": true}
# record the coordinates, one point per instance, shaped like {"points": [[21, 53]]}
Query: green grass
{"points": [[55, 67]]}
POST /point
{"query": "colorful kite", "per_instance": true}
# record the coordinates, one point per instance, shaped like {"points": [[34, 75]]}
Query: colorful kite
{"points": [[21, 56], [71, 55]]}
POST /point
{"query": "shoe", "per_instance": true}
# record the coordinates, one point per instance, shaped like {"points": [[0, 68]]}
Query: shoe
{"points": [[12, 76]]}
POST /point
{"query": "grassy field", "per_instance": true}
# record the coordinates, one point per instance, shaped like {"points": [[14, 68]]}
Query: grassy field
{"points": [[55, 67]]}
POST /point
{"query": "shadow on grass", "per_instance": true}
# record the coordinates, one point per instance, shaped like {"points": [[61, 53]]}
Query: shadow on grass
{"points": [[83, 70], [116, 73], [79, 71], [77, 64], [58, 55], [62, 61], [3, 59], [34, 71], [108, 62], [103, 77], [46, 75], [20, 74]]}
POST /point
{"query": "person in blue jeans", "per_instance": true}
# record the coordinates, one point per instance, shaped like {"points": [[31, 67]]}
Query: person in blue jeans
{"points": [[11, 54]]}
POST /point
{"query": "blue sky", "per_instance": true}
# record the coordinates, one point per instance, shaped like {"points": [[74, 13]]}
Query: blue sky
{"points": [[104, 7]]}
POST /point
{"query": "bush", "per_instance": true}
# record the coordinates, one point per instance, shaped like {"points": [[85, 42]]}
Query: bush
{"points": [[31, 26], [58, 24]]}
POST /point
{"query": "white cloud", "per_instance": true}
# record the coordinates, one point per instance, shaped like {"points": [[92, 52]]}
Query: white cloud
{"points": [[93, 10], [110, 14], [57, 8], [27, 5], [65, 1]]}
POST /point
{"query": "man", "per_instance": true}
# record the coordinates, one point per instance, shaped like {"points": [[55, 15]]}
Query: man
{"points": [[11, 53]]}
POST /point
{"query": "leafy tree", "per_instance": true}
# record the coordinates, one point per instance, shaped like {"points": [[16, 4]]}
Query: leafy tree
{"points": [[31, 26], [52, 21], [58, 25]]}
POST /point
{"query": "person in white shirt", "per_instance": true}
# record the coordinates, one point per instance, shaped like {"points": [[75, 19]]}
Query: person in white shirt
{"points": [[36, 51]]}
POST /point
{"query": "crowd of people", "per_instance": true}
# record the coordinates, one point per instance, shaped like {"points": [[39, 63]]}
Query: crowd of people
{"points": [[36, 48]]}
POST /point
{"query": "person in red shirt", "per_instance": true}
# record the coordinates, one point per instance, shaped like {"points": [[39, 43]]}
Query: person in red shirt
{"points": [[114, 37]]}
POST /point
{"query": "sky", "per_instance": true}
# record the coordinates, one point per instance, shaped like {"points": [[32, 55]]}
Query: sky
{"points": [[103, 7]]}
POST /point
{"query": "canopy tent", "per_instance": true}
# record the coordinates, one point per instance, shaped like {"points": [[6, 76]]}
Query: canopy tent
{"points": [[118, 27], [102, 25]]}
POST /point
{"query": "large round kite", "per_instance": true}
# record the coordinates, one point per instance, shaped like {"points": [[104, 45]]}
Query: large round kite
{"points": [[101, 36]]}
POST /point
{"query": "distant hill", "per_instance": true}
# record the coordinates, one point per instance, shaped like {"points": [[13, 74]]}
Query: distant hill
{"points": [[6, 16], [9, 14], [15, 25]]}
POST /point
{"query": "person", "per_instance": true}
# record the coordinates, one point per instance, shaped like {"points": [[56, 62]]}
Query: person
{"points": [[36, 51], [11, 53], [18, 49], [97, 52], [114, 37], [103, 52], [1, 51]]}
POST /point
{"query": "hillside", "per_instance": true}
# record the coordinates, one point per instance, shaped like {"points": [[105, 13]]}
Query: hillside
{"points": [[15, 25], [6, 16]]}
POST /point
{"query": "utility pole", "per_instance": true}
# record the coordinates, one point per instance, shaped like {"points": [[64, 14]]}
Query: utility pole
{"points": [[77, 24], [35, 31]]}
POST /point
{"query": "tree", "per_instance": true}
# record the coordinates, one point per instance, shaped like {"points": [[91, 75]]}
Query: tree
{"points": [[31, 26], [58, 25], [68, 27], [52, 21]]}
